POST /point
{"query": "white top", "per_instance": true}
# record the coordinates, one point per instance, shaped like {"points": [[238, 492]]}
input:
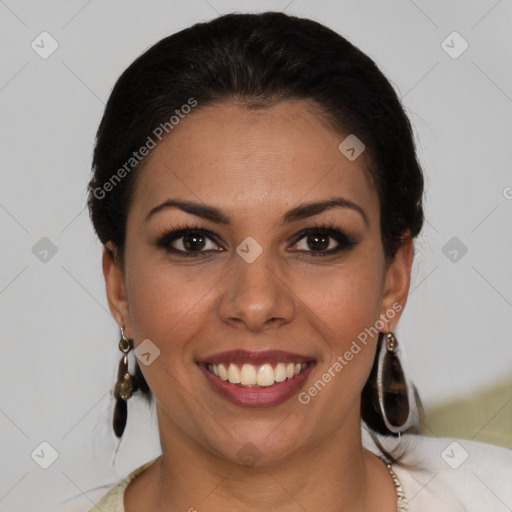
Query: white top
{"points": [[437, 475]]}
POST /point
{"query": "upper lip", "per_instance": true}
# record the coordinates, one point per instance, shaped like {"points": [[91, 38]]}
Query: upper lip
{"points": [[255, 358]]}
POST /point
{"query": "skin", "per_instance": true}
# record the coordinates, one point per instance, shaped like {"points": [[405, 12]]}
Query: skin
{"points": [[256, 165]]}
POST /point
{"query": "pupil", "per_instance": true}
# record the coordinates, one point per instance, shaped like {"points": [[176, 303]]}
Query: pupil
{"points": [[318, 242], [193, 242]]}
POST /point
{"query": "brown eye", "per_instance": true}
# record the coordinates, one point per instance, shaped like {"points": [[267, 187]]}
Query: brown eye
{"points": [[318, 242], [188, 242], [193, 242], [322, 241]]}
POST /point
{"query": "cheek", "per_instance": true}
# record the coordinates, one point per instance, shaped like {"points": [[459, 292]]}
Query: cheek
{"points": [[345, 306], [346, 298], [165, 301], [167, 306]]}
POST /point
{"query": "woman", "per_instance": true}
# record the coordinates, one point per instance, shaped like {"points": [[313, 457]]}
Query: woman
{"points": [[257, 192]]}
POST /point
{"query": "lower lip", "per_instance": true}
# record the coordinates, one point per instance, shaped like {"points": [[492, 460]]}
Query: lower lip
{"points": [[268, 396]]}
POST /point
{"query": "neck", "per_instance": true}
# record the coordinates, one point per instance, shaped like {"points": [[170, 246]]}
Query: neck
{"points": [[336, 474]]}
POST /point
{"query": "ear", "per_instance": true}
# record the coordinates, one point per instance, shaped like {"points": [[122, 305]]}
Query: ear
{"points": [[114, 284], [397, 281]]}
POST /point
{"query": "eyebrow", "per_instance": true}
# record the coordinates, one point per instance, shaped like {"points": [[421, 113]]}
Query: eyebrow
{"points": [[302, 211]]}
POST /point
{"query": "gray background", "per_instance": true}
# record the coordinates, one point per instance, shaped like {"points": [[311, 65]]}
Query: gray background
{"points": [[58, 340]]}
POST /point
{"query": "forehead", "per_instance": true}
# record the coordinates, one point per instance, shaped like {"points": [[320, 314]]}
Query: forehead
{"points": [[253, 159]]}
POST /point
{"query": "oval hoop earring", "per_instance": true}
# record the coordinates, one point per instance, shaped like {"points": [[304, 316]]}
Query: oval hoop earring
{"points": [[395, 395], [125, 386]]}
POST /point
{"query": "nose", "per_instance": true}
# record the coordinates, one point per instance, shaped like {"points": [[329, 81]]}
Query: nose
{"points": [[256, 294]]}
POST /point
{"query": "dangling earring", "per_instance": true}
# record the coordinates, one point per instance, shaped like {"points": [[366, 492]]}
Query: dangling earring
{"points": [[395, 395], [126, 385]]}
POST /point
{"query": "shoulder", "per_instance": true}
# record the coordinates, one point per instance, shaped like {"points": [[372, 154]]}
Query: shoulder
{"points": [[454, 474], [113, 501]]}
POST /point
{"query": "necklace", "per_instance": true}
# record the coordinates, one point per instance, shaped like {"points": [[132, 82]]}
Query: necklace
{"points": [[403, 505]]}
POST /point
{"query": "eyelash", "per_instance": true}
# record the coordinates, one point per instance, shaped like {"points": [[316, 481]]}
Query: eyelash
{"points": [[345, 242]]}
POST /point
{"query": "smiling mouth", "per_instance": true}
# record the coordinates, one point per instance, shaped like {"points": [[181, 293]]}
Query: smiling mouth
{"points": [[254, 376]]}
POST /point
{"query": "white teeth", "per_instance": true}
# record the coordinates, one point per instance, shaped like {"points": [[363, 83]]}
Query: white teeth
{"points": [[262, 375], [247, 375], [233, 374], [265, 375], [223, 374], [280, 372]]}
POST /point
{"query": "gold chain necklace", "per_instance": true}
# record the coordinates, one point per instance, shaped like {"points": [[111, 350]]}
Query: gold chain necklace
{"points": [[402, 503]]}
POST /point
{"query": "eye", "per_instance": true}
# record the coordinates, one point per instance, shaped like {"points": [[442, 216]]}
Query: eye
{"points": [[323, 241], [189, 241]]}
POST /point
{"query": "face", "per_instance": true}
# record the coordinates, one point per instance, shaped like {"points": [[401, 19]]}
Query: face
{"points": [[227, 264]]}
